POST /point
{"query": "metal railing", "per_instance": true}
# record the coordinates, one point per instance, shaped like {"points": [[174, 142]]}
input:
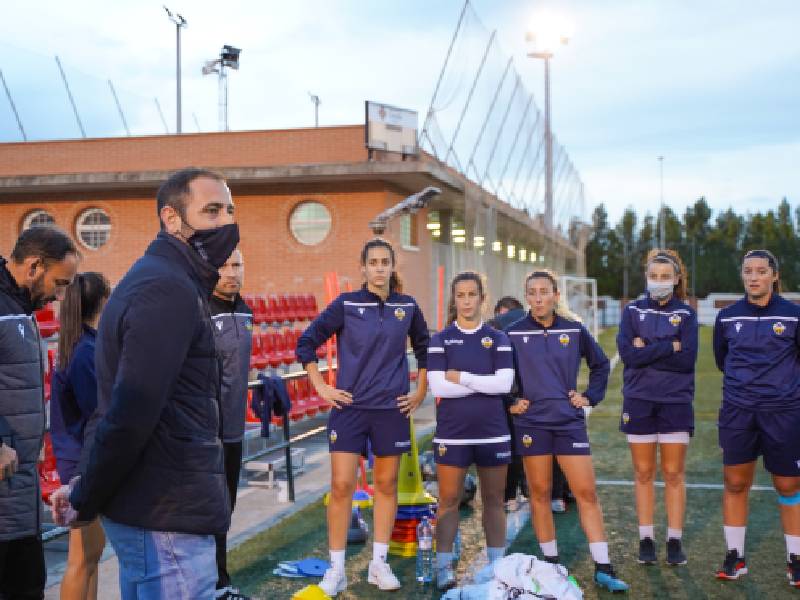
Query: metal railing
{"points": [[54, 532]]}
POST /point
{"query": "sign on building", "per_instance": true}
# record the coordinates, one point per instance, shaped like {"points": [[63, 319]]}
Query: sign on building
{"points": [[391, 129]]}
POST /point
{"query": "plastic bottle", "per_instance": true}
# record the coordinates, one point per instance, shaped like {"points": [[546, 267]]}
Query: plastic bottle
{"points": [[457, 545], [424, 551]]}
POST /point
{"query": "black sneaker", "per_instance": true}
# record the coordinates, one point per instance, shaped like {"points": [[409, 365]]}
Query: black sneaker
{"points": [[675, 554], [231, 593], [733, 567], [553, 559], [647, 552], [793, 570]]}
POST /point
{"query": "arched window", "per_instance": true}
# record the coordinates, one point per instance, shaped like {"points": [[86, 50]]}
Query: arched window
{"points": [[38, 218]]}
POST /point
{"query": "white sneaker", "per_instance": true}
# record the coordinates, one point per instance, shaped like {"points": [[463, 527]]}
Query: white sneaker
{"points": [[333, 582], [380, 574]]}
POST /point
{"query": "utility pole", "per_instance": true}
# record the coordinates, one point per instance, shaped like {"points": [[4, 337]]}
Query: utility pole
{"points": [[662, 234], [180, 23]]}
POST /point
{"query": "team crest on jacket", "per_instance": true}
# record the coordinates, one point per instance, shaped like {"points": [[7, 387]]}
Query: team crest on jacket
{"points": [[219, 325], [737, 327], [641, 316], [675, 319], [333, 436], [248, 324], [564, 339], [626, 418], [487, 342], [361, 310], [527, 440], [399, 313], [21, 329], [525, 339], [442, 449], [779, 328]]}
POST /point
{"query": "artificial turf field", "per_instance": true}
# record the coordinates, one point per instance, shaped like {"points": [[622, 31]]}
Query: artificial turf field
{"points": [[304, 533]]}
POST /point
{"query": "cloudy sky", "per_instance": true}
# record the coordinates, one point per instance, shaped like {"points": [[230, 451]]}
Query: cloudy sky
{"points": [[712, 86]]}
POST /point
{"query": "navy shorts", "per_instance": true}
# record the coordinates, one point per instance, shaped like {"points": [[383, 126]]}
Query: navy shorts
{"points": [[492, 454], [388, 431], [535, 441], [745, 434], [642, 417]]}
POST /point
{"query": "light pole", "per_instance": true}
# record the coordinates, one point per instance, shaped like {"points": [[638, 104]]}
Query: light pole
{"points": [[662, 232], [547, 35], [180, 23], [228, 58], [316, 101]]}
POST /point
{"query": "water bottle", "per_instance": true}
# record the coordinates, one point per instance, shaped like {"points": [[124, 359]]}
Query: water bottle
{"points": [[424, 551], [457, 545]]}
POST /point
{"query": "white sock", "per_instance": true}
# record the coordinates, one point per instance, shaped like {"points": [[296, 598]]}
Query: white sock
{"points": [[674, 534], [337, 560], [379, 551], [443, 559], [734, 538], [792, 545], [495, 553], [599, 552], [549, 548], [647, 531]]}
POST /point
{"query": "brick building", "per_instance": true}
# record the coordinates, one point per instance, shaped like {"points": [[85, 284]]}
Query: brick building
{"points": [[304, 198]]}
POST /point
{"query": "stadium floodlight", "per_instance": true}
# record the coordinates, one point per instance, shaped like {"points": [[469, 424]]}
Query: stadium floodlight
{"points": [[548, 31], [228, 59], [408, 206], [180, 23]]}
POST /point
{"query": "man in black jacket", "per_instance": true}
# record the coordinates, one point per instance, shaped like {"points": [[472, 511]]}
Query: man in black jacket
{"points": [[154, 471], [233, 329], [43, 263]]}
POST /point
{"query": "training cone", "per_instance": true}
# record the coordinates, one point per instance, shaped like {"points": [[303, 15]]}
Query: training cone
{"points": [[358, 531], [311, 592], [409, 480]]}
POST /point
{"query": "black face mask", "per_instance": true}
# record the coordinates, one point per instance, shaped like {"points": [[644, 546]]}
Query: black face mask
{"points": [[215, 245]]}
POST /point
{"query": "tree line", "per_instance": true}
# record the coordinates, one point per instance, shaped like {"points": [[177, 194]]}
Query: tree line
{"points": [[710, 247]]}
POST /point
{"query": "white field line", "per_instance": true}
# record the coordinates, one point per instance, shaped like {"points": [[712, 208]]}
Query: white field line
{"points": [[696, 486]]}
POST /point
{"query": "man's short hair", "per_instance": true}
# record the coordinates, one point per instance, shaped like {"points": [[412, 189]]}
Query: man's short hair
{"points": [[507, 302], [175, 190], [48, 243]]}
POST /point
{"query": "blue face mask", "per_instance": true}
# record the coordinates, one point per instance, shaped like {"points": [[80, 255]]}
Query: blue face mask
{"points": [[215, 245], [659, 290]]}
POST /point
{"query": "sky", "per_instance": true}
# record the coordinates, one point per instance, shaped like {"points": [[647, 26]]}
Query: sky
{"points": [[713, 86]]}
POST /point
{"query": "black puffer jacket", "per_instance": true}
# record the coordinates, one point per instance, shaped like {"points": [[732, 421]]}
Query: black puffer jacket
{"points": [[21, 408], [156, 457]]}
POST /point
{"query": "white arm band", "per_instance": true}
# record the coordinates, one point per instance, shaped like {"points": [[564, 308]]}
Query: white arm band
{"points": [[441, 388], [499, 383]]}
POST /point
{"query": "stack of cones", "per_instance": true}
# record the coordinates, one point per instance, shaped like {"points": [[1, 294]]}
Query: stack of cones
{"points": [[413, 502]]}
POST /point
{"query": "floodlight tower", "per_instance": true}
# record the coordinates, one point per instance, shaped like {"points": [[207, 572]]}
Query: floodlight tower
{"points": [[228, 58], [180, 23]]}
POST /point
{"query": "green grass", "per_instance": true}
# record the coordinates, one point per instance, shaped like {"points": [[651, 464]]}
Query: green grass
{"points": [[304, 533]]}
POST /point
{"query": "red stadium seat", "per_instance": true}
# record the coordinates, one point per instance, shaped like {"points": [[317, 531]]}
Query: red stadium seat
{"points": [[298, 410], [250, 416], [283, 307], [268, 345], [312, 408], [47, 320], [284, 341], [274, 314], [258, 359], [260, 313], [250, 300], [295, 306], [310, 303]]}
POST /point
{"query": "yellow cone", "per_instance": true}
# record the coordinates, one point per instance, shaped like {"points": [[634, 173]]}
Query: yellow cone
{"points": [[409, 479], [311, 592]]}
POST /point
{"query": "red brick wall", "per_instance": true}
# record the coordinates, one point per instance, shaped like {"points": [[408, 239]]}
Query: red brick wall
{"points": [[166, 152], [274, 260]]}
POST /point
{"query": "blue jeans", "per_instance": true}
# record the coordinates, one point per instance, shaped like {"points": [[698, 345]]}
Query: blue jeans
{"points": [[160, 565]]}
